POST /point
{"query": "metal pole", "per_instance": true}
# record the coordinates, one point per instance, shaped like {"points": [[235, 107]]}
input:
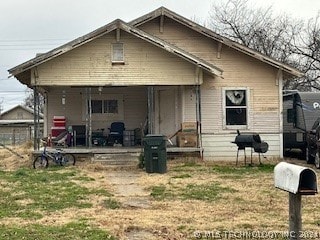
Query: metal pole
{"points": [[35, 118], [295, 222]]}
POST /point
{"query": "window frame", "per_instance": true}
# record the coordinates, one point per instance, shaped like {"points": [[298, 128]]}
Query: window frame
{"points": [[96, 116], [106, 105], [115, 52], [225, 107]]}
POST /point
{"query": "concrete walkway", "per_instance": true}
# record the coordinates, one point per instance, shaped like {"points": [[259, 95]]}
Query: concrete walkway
{"points": [[127, 189], [131, 194]]}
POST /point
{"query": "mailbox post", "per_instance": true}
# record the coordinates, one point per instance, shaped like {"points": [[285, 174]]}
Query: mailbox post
{"points": [[298, 181]]}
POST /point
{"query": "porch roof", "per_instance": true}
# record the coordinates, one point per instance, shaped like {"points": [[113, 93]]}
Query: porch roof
{"points": [[162, 11], [21, 72]]}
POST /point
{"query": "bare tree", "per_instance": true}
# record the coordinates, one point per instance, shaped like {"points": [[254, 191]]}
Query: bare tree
{"points": [[307, 49], [29, 100], [278, 36]]}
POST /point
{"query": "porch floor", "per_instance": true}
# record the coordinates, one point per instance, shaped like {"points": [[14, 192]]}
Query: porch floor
{"points": [[171, 151]]}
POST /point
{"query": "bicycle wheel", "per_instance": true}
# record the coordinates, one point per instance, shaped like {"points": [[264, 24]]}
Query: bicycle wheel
{"points": [[67, 160], [40, 162]]}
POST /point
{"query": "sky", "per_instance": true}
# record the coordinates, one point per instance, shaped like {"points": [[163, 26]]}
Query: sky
{"points": [[37, 26]]}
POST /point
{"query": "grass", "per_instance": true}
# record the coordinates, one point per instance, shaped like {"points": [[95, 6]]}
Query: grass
{"points": [[209, 191], [205, 192], [245, 170], [77, 202], [160, 192], [42, 191], [73, 230], [112, 203], [31, 195]]}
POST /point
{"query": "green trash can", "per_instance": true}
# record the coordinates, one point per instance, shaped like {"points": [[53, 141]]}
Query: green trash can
{"points": [[155, 153]]}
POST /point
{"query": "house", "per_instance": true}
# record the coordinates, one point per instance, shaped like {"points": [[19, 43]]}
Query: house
{"points": [[17, 124], [162, 70]]}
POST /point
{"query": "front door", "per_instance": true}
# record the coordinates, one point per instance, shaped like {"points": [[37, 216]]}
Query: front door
{"points": [[167, 111]]}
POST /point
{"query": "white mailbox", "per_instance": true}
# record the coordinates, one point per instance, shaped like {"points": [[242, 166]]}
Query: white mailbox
{"points": [[295, 179]]}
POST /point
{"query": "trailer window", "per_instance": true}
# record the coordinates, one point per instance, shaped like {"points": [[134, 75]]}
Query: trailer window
{"points": [[236, 109], [290, 115]]}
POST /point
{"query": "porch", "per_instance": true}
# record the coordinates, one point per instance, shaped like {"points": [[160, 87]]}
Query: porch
{"points": [[122, 155], [90, 112]]}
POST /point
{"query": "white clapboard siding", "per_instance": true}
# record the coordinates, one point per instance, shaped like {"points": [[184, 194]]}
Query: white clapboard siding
{"points": [[220, 147], [189, 104], [91, 64], [184, 38]]}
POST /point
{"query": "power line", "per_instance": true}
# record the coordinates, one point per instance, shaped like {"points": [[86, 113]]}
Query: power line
{"points": [[7, 79], [34, 40], [27, 45], [23, 49], [30, 44], [12, 91]]}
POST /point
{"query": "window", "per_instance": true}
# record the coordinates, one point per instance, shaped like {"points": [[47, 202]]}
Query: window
{"points": [[117, 53], [290, 115], [96, 106], [236, 107], [110, 106], [104, 106]]}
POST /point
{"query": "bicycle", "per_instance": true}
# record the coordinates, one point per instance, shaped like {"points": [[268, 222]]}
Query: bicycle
{"points": [[57, 156]]}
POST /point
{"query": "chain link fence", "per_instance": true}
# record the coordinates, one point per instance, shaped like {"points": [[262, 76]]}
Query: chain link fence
{"points": [[13, 139]]}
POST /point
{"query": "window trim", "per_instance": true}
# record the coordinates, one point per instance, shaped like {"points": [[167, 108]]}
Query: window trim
{"points": [[224, 108], [113, 53]]}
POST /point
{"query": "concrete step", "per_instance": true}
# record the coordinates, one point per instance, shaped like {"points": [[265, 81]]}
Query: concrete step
{"points": [[127, 159]]}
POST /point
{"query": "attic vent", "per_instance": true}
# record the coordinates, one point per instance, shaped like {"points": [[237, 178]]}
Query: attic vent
{"points": [[117, 53]]}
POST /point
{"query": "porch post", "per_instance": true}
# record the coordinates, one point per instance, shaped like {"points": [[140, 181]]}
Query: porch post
{"points": [[279, 81], [88, 118], [150, 109], [198, 117], [36, 118]]}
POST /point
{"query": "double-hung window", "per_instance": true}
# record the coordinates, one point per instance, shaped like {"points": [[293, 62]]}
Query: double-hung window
{"points": [[235, 108], [117, 53]]}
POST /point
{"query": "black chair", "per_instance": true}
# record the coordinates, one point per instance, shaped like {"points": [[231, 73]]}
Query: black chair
{"points": [[116, 133], [79, 135]]}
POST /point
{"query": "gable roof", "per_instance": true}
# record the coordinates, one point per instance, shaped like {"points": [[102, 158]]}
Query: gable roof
{"points": [[117, 24], [162, 11], [25, 108]]}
